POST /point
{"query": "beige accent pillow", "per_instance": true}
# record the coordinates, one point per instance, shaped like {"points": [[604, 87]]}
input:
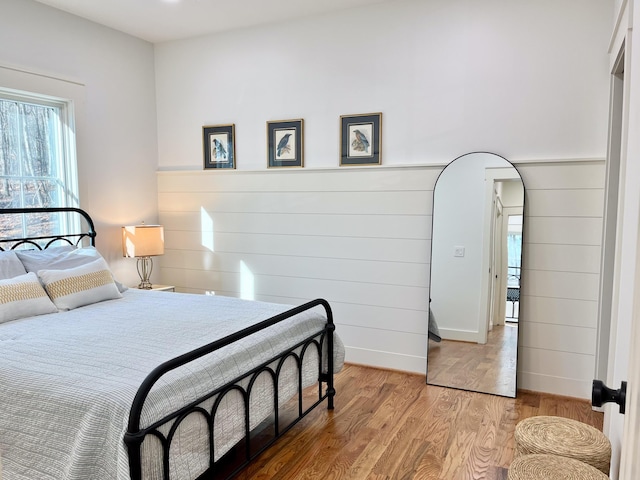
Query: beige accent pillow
{"points": [[60, 258], [23, 296], [79, 286]]}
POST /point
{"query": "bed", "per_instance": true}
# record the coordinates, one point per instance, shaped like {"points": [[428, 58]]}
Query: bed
{"points": [[104, 382]]}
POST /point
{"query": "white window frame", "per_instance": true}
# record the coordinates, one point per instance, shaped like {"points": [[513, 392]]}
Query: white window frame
{"points": [[66, 156]]}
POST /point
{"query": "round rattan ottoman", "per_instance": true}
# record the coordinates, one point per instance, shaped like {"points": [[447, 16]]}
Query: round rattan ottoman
{"points": [[552, 467], [563, 437]]}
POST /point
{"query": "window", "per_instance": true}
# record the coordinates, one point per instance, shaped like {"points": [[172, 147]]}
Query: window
{"points": [[514, 250], [37, 161]]}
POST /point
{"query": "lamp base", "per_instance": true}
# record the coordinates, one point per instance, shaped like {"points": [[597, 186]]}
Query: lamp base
{"points": [[145, 267]]}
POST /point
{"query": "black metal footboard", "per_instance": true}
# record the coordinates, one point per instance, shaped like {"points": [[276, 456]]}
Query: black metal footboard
{"points": [[135, 435]]}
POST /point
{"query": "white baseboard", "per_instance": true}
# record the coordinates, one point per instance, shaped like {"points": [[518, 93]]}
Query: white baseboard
{"points": [[568, 387], [528, 381], [391, 360], [459, 335]]}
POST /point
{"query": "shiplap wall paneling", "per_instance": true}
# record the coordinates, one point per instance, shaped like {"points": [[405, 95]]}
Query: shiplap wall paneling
{"points": [[561, 268], [358, 237], [371, 258]]}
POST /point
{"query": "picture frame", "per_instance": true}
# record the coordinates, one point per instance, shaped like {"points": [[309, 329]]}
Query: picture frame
{"points": [[360, 139], [285, 143], [219, 144]]}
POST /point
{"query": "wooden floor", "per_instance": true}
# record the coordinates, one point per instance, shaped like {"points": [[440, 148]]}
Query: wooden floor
{"points": [[488, 368], [391, 425]]}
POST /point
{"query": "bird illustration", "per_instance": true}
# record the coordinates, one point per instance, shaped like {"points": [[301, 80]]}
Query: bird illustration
{"points": [[218, 149], [360, 143], [283, 145]]}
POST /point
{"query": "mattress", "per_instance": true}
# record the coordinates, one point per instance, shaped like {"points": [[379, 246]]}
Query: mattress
{"points": [[67, 380]]}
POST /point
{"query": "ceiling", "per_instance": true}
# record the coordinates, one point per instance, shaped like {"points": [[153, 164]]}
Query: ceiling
{"points": [[164, 20]]}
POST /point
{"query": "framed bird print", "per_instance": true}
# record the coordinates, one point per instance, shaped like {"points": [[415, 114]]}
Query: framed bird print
{"points": [[360, 139], [285, 143], [219, 146]]}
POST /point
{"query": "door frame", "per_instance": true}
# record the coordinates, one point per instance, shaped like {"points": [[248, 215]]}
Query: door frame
{"points": [[496, 277], [492, 175], [629, 466], [507, 212], [610, 235], [624, 343]]}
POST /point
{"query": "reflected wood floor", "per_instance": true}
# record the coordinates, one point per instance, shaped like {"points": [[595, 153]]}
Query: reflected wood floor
{"points": [[391, 425], [489, 368]]}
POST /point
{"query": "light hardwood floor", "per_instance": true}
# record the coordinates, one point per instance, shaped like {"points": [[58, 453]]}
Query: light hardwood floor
{"points": [[391, 425], [488, 368]]}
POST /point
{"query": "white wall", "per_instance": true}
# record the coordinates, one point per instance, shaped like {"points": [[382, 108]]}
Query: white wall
{"points": [[116, 126], [511, 194], [560, 276], [450, 77], [360, 238]]}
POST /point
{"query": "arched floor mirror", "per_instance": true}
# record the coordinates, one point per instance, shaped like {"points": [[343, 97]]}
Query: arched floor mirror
{"points": [[476, 255]]}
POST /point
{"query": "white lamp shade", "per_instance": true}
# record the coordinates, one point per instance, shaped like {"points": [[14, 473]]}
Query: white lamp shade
{"points": [[142, 241]]}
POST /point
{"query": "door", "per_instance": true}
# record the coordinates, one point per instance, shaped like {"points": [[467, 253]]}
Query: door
{"points": [[624, 320], [629, 465], [495, 273], [610, 219]]}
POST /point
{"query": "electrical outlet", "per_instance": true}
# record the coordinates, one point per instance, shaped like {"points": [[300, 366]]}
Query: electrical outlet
{"points": [[458, 251]]}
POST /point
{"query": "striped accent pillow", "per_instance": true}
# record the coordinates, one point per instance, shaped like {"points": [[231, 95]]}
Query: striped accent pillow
{"points": [[79, 286], [23, 296]]}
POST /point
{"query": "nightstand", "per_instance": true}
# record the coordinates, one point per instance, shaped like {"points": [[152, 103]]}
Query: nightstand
{"points": [[163, 288]]}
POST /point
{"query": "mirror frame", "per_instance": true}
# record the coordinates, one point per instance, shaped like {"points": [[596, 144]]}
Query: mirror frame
{"points": [[485, 264]]}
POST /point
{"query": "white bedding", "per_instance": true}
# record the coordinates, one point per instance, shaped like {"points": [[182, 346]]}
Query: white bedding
{"points": [[67, 380]]}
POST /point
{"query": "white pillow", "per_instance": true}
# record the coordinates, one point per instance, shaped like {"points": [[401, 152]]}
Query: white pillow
{"points": [[60, 258], [10, 265], [23, 296], [54, 258], [79, 286]]}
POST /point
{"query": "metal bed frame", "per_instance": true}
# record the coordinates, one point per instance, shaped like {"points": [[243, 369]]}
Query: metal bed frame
{"points": [[232, 462], [46, 241]]}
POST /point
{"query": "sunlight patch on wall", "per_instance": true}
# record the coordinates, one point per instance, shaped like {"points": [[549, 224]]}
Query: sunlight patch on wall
{"points": [[206, 229], [247, 282]]}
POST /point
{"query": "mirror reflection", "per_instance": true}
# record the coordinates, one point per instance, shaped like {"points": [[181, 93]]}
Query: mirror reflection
{"points": [[476, 255]]}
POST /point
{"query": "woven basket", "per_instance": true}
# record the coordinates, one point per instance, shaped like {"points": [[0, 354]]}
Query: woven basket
{"points": [[552, 467], [564, 437]]}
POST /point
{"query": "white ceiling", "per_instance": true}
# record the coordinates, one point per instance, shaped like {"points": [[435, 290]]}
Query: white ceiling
{"points": [[163, 20]]}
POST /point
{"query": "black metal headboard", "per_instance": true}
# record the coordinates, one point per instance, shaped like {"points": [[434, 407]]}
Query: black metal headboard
{"points": [[87, 230]]}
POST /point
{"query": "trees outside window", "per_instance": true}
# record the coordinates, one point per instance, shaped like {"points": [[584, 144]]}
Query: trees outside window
{"points": [[37, 162]]}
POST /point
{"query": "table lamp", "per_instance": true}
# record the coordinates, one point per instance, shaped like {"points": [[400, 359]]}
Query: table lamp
{"points": [[143, 242]]}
